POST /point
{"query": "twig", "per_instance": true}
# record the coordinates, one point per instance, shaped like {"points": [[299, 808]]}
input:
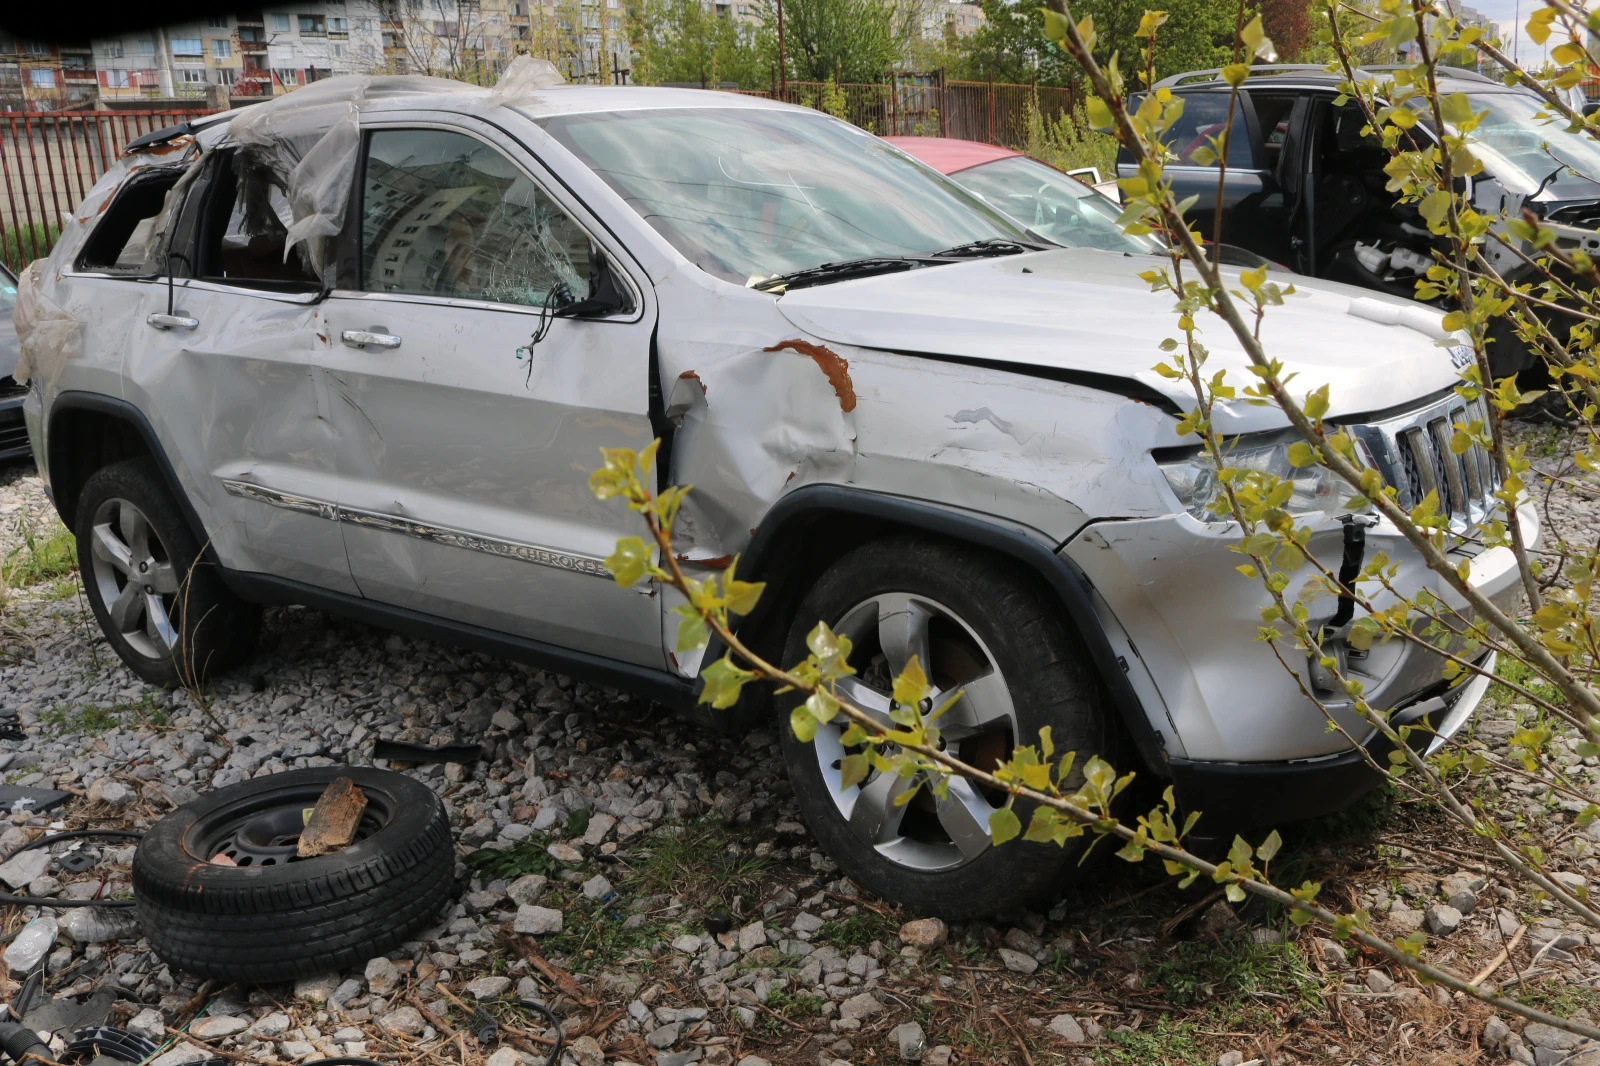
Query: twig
{"points": [[1504, 954], [1022, 1045], [1190, 911], [562, 979]]}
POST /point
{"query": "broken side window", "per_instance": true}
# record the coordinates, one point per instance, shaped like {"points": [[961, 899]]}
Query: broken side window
{"points": [[444, 214], [121, 243], [244, 229]]}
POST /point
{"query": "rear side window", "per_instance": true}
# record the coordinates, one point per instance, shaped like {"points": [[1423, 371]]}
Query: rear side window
{"points": [[124, 238], [1204, 117]]}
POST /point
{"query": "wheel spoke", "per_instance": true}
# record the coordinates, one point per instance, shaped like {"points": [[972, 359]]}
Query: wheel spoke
{"points": [[985, 706], [135, 530], [105, 544], [164, 579], [125, 611], [965, 816], [903, 631], [866, 698], [875, 818], [156, 624]]}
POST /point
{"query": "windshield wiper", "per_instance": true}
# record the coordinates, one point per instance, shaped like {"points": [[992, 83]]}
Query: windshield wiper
{"points": [[850, 268], [989, 246]]}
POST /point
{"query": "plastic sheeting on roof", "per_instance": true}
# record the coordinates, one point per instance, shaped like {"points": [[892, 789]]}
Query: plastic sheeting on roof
{"points": [[46, 334], [309, 140]]}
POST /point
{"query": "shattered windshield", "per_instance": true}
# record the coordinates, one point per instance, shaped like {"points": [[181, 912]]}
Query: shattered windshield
{"points": [[1049, 202], [749, 193], [1521, 150]]}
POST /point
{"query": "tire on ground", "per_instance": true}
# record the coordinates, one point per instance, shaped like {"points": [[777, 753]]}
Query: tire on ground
{"points": [[1053, 683], [216, 630], [260, 924]]}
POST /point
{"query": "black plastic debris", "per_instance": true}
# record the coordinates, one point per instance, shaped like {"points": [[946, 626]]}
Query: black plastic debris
{"points": [[34, 800], [110, 1042], [401, 751], [77, 861]]}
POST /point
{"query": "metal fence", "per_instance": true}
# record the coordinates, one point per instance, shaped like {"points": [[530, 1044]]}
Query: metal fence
{"points": [[50, 160]]}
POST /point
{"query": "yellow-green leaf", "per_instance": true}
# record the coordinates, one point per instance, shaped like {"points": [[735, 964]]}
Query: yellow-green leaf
{"points": [[627, 564], [1004, 825], [911, 687], [852, 770], [804, 724], [723, 682], [1099, 114]]}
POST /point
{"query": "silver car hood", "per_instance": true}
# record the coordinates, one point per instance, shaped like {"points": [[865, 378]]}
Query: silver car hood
{"points": [[1083, 311]]}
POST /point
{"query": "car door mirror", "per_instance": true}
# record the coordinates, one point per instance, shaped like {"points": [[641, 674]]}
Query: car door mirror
{"points": [[1590, 108], [608, 293]]}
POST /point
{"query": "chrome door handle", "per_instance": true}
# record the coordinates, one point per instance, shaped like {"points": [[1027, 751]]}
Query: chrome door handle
{"points": [[178, 320], [374, 337]]}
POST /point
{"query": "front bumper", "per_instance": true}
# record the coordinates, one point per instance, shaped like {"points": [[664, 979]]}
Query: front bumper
{"points": [[1236, 796]]}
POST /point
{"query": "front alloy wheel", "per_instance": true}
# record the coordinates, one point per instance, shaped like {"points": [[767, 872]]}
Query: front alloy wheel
{"points": [[928, 833], [977, 623]]}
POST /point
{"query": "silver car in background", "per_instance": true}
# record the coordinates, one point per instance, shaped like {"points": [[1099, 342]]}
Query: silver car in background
{"points": [[358, 348]]}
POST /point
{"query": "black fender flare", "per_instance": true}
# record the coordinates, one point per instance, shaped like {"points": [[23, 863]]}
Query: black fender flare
{"points": [[1059, 573], [123, 410]]}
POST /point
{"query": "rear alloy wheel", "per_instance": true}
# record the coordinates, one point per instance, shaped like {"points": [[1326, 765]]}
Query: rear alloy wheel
{"points": [[979, 624], [161, 605]]}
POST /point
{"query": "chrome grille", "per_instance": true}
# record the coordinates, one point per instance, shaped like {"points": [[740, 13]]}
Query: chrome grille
{"points": [[1412, 452]]}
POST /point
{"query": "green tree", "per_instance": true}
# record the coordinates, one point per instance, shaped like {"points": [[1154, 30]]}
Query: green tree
{"points": [[686, 41], [1011, 47], [849, 40]]}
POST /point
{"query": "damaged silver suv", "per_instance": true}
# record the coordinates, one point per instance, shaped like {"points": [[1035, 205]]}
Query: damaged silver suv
{"points": [[359, 347]]}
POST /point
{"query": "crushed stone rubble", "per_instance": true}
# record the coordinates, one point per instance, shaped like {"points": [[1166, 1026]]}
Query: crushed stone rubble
{"points": [[591, 791]]}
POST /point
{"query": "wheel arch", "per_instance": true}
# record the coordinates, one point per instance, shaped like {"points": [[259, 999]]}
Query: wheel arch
{"points": [[813, 526], [86, 431]]}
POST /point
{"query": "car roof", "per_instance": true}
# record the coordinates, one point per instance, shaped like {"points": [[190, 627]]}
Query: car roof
{"points": [[1313, 75], [950, 154]]}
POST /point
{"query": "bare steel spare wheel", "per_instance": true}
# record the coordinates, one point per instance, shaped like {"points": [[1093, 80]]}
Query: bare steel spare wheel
{"points": [[275, 917]]}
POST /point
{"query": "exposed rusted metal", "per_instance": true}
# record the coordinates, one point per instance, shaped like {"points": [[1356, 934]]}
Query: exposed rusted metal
{"points": [[834, 367]]}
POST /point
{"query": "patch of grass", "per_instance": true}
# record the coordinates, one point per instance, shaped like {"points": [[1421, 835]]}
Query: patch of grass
{"points": [[63, 590], [1559, 998], [91, 719], [39, 558], [696, 866], [519, 860], [593, 937], [1231, 971], [20, 772], [795, 1006], [1171, 1044], [1518, 672], [857, 930], [577, 823]]}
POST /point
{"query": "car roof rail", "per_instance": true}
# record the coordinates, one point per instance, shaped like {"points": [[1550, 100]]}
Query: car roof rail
{"points": [[1215, 73]]}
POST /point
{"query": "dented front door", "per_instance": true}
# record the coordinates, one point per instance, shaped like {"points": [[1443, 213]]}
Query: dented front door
{"points": [[473, 415]]}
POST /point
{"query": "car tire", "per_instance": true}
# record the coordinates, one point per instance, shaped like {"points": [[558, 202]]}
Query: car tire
{"points": [[273, 917], [984, 620], [185, 626]]}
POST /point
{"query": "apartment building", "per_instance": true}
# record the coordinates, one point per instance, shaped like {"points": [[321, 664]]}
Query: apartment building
{"points": [[36, 76], [961, 18], [249, 54]]}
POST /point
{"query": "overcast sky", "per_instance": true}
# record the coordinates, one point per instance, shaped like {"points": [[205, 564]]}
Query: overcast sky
{"points": [[1504, 13]]}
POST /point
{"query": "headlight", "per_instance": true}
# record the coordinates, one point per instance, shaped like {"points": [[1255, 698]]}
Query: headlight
{"points": [[1194, 481]]}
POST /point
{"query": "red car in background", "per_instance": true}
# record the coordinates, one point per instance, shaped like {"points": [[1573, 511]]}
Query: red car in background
{"points": [[1049, 201]]}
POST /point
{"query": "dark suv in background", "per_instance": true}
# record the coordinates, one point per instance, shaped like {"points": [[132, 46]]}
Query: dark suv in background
{"points": [[1305, 188]]}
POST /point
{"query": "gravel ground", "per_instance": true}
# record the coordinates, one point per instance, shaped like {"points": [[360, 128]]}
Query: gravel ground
{"points": [[698, 922]]}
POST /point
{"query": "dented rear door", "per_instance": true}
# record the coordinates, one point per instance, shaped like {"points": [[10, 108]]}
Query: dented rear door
{"points": [[473, 416]]}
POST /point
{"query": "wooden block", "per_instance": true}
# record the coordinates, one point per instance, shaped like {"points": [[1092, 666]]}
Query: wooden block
{"points": [[333, 821]]}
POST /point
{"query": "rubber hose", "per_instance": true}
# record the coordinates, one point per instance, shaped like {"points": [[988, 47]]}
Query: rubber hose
{"points": [[18, 1042], [56, 838]]}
